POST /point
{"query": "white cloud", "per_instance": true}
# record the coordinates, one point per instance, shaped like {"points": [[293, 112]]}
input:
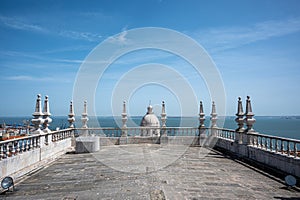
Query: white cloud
{"points": [[27, 78], [232, 37], [120, 38], [19, 24], [25, 25], [81, 35]]}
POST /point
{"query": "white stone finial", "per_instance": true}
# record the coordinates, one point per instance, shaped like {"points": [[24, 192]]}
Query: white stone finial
{"points": [[201, 116], [240, 121], [124, 120], [240, 114], [46, 116], [85, 107], [213, 115], [46, 110], [38, 116], [124, 115], [71, 116], [38, 106], [202, 130], [124, 106], [249, 120], [84, 115], [163, 115], [149, 109]]}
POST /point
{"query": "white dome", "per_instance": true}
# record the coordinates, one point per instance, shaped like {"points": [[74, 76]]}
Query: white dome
{"points": [[150, 120]]}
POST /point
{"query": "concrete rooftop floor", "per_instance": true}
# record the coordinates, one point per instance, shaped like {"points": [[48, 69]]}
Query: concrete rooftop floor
{"points": [[147, 171]]}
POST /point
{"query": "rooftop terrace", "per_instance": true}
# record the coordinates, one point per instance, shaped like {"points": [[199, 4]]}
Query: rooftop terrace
{"points": [[142, 172], [165, 163]]}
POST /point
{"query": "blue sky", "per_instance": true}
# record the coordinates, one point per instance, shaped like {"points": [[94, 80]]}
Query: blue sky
{"points": [[254, 44]]}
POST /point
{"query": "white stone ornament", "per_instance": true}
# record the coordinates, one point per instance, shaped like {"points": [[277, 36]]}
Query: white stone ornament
{"points": [[46, 115], [71, 116], [38, 116]]}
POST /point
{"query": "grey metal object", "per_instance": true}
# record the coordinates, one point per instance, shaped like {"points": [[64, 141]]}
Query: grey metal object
{"points": [[290, 180], [7, 182]]}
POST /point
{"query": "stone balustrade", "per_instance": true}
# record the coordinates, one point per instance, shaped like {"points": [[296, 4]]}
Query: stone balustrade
{"points": [[284, 146], [22, 155], [13, 147], [136, 131], [225, 134]]}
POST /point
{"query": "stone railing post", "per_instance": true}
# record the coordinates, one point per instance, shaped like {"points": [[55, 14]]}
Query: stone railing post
{"points": [[71, 116], [84, 120], [249, 121], [240, 121], [202, 134], [163, 119], [46, 116], [213, 120], [38, 116], [124, 120]]}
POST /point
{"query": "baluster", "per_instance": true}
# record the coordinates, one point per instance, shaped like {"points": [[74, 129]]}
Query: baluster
{"points": [[18, 147], [266, 143], [261, 143], [28, 145], [271, 145], [288, 148], [37, 140], [256, 140], [282, 147], [23, 145], [13, 150], [295, 150], [1, 152], [46, 139], [7, 151], [34, 142], [276, 145], [31, 144]]}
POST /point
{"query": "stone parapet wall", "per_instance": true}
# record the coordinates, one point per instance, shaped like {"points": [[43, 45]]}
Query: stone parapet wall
{"points": [[47, 148], [285, 163]]}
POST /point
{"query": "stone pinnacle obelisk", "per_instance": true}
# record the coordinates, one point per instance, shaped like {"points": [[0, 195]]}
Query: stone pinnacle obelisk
{"points": [[163, 115], [202, 134], [249, 120], [71, 116], [240, 121], [46, 117], [213, 120], [124, 120], [84, 119], [38, 116]]}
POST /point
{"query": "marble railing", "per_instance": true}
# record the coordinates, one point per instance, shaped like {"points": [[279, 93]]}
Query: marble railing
{"points": [[225, 133], [284, 146], [13, 147], [138, 131]]}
